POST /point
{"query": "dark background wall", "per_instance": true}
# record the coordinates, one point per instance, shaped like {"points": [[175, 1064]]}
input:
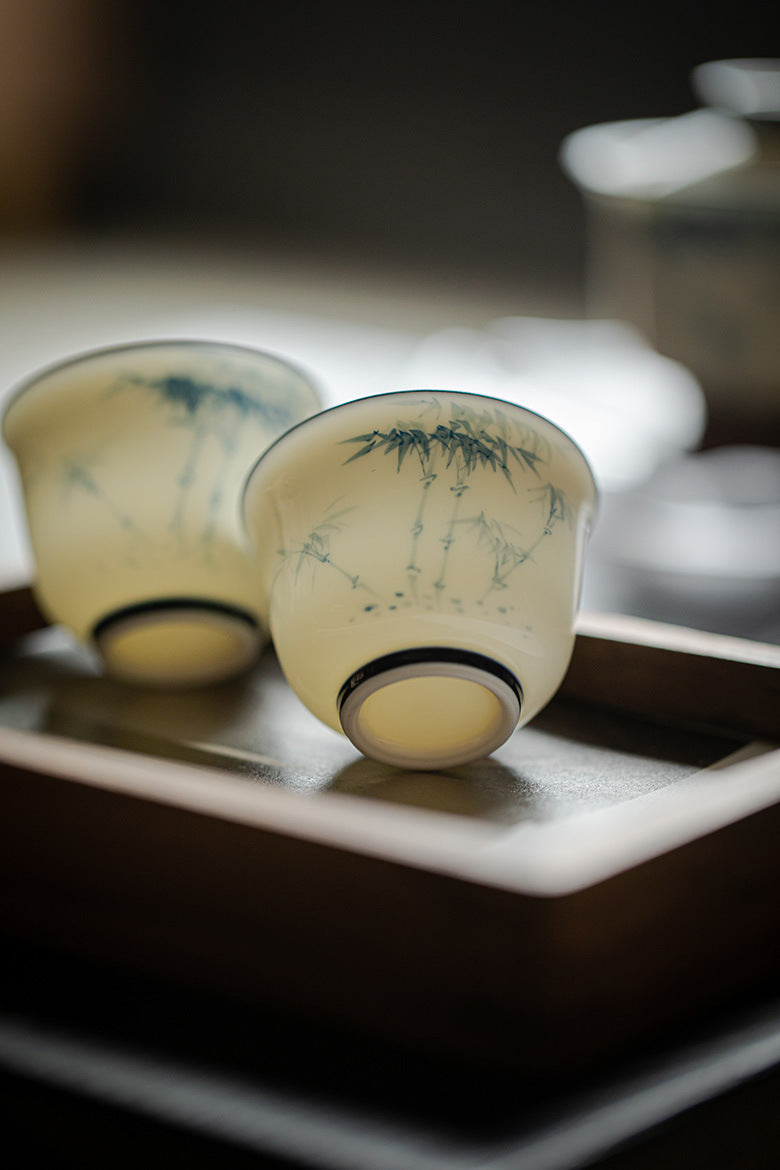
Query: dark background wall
{"points": [[422, 134]]}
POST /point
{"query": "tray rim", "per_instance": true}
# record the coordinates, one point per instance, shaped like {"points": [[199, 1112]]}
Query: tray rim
{"points": [[534, 859], [545, 859]]}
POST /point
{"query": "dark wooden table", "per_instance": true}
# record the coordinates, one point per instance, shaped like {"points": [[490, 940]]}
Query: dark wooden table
{"points": [[98, 1067]]}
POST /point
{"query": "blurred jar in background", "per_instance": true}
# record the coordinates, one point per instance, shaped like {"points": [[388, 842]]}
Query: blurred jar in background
{"points": [[683, 220], [55, 74]]}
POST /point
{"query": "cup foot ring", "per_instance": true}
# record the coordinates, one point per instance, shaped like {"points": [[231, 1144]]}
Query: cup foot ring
{"points": [[177, 642], [430, 707]]}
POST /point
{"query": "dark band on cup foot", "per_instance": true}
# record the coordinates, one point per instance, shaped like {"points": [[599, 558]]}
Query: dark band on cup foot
{"points": [[430, 707], [178, 641]]}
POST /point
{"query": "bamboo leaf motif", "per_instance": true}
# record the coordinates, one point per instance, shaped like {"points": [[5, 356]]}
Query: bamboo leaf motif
{"points": [[370, 442], [316, 546], [179, 390], [555, 504], [470, 439], [525, 458], [400, 440], [421, 442], [77, 475], [506, 551], [463, 439], [208, 411]]}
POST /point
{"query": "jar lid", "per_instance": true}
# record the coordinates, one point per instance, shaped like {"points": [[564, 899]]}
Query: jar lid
{"points": [[748, 86]]}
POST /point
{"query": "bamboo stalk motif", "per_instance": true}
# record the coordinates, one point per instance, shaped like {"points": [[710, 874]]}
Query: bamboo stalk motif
{"points": [[449, 441]]}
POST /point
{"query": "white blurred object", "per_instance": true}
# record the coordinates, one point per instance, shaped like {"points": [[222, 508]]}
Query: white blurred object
{"points": [[742, 85], [698, 543], [628, 408], [710, 515], [650, 158]]}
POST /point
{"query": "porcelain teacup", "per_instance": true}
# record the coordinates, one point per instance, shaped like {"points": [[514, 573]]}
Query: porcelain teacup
{"points": [[132, 460], [421, 554]]}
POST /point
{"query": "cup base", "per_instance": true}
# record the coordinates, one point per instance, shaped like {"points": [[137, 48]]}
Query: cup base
{"points": [[430, 707], [177, 642]]}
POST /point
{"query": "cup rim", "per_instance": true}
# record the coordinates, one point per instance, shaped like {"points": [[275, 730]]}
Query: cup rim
{"points": [[292, 431], [31, 380]]}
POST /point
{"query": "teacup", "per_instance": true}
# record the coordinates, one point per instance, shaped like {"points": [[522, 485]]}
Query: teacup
{"points": [[421, 554], [132, 460]]}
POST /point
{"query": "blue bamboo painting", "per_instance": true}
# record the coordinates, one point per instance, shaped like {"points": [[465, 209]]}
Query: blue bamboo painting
{"points": [[457, 440], [315, 548], [77, 474], [210, 412]]}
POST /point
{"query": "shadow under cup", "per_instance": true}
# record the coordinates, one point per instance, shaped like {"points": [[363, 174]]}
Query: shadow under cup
{"points": [[422, 555], [132, 460]]}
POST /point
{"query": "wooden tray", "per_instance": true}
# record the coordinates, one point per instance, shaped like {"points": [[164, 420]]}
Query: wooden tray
{"points": [[611, 870]]}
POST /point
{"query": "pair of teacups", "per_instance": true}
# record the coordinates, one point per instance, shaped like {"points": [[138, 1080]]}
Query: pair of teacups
{"points": [[415, 557]]}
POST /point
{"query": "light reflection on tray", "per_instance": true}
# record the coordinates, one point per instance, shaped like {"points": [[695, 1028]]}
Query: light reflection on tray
{"points": [[570, 759]]}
